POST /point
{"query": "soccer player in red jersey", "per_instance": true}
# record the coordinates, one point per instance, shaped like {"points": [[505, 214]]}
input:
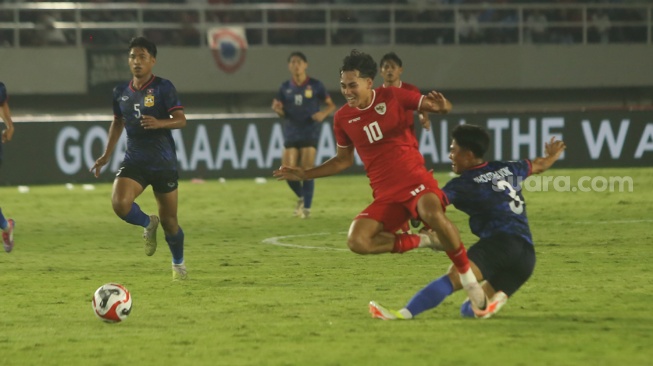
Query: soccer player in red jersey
{"points": [[391, 68], [490, 192], [373, 123]]}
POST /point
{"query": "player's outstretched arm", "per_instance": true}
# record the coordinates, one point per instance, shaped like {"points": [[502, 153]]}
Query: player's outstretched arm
{"points": [[5, 115], [344, 159], [115, 131], [277, 107], [289, 173], [552, 151], [435, 102]]}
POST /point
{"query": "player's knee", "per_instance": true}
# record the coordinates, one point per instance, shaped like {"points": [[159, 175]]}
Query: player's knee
{"points": [[169, 224], [121, 206], [436, 220], [359, 244]]}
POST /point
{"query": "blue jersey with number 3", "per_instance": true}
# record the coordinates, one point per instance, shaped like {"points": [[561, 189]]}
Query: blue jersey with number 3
{"points": [[149, 149], [491, 195]]}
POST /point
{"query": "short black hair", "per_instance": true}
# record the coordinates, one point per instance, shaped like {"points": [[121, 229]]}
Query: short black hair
{"points": [[472, 138], [360, 61], [390, 56], [298, 54], [142, 42]]}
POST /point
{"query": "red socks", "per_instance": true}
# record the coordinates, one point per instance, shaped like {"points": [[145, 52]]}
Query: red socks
{"points": [[406, 242], [459, 258]]}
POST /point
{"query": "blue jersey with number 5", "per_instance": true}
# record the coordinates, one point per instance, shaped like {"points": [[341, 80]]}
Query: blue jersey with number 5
{"points": [[491, 195], [149, 149]]}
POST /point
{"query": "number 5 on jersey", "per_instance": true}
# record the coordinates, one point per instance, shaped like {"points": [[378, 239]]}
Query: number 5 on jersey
{"points": [[373, 131]]}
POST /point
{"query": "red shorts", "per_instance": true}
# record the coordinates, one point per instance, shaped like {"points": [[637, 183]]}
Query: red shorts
{"points": [[393, 213]]}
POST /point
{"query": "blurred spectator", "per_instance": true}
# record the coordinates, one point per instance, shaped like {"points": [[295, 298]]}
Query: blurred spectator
{"points": [[468, 26], [537, 26], [47, 33], [600, 28]]}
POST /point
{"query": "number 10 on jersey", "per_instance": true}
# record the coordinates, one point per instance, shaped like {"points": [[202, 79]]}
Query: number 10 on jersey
{"points": [[373, 131]]}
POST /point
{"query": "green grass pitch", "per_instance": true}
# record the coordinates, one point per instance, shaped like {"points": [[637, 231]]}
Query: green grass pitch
{"points": [[251, 302]]}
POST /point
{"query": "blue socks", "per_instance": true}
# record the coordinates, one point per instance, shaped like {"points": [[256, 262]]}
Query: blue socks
{"points": [[176, 244], [296, 187], [430, 296], [307, 192], [3, 221], [136, 216], [304, 190], [466, 310]]}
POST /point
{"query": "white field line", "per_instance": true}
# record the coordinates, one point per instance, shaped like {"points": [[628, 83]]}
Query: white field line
{"points": [[279, 240], [637, 221]]}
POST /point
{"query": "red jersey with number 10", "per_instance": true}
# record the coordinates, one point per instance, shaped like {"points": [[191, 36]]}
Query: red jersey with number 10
{"points": [[384, 141]]}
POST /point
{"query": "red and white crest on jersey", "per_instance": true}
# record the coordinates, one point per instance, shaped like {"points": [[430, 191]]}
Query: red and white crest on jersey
{"points": [[380, 108]]}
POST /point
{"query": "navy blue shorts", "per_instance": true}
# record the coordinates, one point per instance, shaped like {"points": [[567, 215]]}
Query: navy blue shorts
{"points": [[300, 136], [300, 144], [1, 153], [162, 181], [506, 261]]}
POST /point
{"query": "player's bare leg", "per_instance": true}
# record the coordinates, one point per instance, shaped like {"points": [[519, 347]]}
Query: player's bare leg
{"points": [[367, 236], [168, 203], [431, 212], [125, 192], [290, 157]]}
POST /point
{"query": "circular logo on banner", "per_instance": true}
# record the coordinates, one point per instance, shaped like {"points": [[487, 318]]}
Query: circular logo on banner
{"points": [[229, 48]]}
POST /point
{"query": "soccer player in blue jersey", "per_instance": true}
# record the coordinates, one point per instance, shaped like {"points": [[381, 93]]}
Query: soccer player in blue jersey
{"points": [[490, 193], [6, 225], [298, 102], [148, 108]]}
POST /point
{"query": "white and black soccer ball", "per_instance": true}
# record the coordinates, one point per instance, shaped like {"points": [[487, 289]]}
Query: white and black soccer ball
{"points": [[112, 303]]}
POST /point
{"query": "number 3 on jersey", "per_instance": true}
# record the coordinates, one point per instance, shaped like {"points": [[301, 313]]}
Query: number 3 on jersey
{"points": [[517, 204], [373, 131]]}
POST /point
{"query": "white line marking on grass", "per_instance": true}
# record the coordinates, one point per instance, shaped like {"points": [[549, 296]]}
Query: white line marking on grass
{"points": [[278, 241], [602, 222]]}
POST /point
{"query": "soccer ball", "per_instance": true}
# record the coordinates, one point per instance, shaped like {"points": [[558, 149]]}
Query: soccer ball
{"points": [[112, 303]]}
